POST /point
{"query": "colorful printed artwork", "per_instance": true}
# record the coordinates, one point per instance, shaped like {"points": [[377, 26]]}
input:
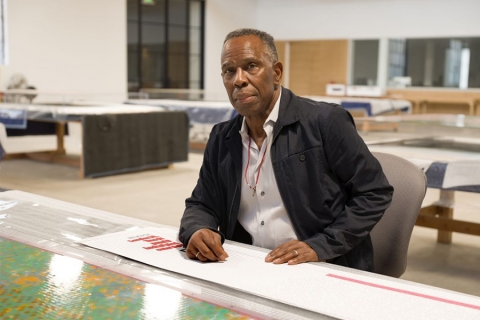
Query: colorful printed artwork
{"points": [[36, 284]]}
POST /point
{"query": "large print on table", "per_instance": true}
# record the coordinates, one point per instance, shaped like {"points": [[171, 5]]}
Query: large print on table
{"points": [[37, 284]]}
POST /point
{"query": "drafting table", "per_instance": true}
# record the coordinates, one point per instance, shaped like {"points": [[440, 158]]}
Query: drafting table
{"points": [[68, 277], [368, 106], [115, 138], [203, 115], [213, 112], [473, 104], [447, 147]]}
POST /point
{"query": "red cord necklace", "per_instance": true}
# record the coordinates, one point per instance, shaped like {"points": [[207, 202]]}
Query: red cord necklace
{"points": [[254, 188]]}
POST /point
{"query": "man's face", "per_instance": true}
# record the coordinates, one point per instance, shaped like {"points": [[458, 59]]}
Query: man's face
{"points": [[249, 75]]}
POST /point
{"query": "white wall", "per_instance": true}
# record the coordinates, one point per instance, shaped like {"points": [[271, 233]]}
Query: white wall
{"points": [[357, 19], [80, 46], [68, 46], [335, 19], [221, 17]]}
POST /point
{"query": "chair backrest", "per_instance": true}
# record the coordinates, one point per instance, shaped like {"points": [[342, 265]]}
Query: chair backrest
{"points": [[391, 236]]}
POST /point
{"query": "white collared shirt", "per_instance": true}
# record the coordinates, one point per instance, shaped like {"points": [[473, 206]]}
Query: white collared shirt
{"points": [[263, 214]]}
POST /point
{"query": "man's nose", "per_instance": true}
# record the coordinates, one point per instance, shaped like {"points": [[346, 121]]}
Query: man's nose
{"points": [[240, 79]]}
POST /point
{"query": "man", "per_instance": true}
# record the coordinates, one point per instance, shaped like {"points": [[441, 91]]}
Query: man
{"points": [[287, 173]]}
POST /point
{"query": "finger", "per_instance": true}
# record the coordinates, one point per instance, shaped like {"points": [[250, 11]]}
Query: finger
{"points": [[280, 255], [201, 257], [293, 252], [206, 252], [197, 256], [211, 247], [191, 251], [208, 243], [215, 244], [281, 250], [193, 245], [300, 258], [286, 257], [304, 255]]}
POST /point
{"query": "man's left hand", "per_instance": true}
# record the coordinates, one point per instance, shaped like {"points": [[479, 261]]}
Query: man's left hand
{"points": [[293, 252]]}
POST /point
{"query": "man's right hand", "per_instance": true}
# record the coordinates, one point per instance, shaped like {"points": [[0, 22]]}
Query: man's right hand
{"points": [[206, 245]]}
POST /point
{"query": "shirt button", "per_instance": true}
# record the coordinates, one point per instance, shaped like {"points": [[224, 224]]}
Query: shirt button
{"points": [[262, 193], [262, 223], [302, 157]]}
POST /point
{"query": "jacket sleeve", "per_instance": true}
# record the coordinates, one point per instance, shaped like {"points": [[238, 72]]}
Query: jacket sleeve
{"points": [[368, 192], [202, 209]]}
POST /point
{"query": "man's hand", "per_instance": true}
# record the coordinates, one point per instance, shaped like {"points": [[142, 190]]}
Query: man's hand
{"points": [[206, 245], [293, 252]]}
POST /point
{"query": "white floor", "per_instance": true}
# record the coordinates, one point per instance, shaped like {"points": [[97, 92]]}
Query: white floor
{"points": [[159, 195]]}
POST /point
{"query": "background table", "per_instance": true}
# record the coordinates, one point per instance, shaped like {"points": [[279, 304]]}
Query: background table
{"points": [[368, 107], [447, 147], [203, 115], [115, 138]]}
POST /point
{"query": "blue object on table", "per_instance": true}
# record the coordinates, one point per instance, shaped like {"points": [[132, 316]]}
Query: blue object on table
{"points": [[358, 105], [13, 119], [436, 174]]}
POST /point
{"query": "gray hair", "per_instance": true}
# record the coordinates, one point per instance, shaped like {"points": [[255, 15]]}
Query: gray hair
{"points": [[266, 38]]}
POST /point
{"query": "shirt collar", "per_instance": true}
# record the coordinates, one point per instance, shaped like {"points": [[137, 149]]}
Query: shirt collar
{"points": [[272, 117]]}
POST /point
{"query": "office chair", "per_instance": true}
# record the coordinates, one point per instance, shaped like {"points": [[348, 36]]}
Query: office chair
{"points": [[391, 235]]}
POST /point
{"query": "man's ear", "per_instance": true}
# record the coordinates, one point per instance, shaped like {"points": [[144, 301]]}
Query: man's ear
{"points": [[278, 70]]}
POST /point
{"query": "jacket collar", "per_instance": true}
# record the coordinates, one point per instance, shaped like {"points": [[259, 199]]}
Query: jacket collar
{"points": [[233, 141], [288, 113]]}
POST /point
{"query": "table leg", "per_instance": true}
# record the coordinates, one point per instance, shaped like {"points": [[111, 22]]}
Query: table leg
{"points": [[423, 106], [445, 210], [439, 216], [415, 106], [59, 155], [60, 132], [471, 108]]}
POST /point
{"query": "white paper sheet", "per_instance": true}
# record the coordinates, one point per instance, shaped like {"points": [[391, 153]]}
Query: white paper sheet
{"points": [[462, 173], [320, 289], [83, 110]]}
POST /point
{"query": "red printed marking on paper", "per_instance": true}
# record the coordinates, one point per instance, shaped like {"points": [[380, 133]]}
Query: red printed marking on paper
{"points": [[144, 239], [412, 293], [158, 243]]}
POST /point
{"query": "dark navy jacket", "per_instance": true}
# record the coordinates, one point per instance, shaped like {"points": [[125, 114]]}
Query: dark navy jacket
{"points": [[332, 187]]}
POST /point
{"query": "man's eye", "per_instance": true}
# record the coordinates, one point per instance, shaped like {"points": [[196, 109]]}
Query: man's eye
{"points": [[227, 71], [252, 66]]}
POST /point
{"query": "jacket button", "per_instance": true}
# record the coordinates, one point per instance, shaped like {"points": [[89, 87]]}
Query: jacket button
{"points": [[302, 157], [262, 193]]}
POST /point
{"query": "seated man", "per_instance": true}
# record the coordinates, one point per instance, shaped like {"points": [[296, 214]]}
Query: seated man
{"points": [[287, 173]]}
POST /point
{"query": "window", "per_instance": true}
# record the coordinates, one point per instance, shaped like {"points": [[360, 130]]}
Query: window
{"points": [[437, 62], [165, 43], [396, 59], [432, 62], [365, 62]]}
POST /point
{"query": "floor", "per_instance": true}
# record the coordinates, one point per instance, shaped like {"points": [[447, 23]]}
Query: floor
{"points": [[158, 196]]}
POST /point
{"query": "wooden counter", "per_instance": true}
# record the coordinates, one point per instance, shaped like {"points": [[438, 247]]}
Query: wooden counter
{"points": [[440, 100]]}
